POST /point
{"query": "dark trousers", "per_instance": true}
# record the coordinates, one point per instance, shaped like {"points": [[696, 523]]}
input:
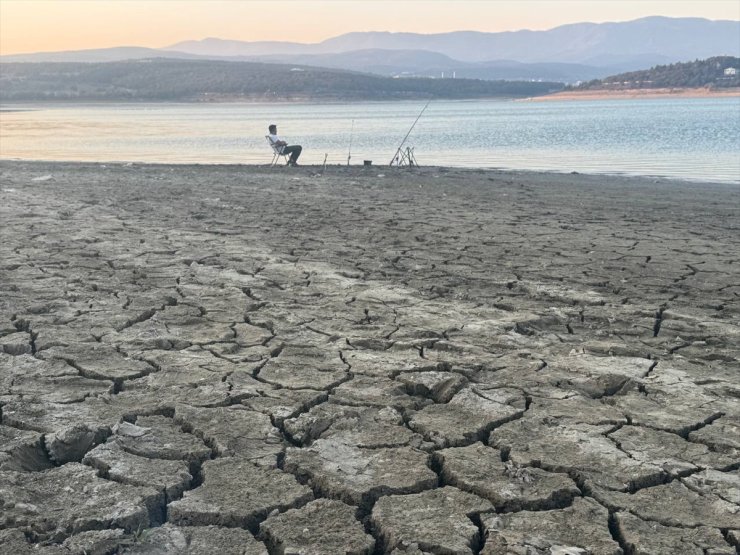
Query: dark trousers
{"points": [[294, 151]]}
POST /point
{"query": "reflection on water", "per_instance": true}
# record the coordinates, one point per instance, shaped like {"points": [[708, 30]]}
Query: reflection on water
{"points": [[687, 138]]}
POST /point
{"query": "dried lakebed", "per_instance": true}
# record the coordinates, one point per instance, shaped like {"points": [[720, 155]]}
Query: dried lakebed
{"points": [[231, 359]]}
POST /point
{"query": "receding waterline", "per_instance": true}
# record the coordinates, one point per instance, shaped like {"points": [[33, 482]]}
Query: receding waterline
{"points": [[692, 139]]}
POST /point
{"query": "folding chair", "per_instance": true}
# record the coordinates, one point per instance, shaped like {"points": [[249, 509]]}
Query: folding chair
{"points": [[277, 153]]}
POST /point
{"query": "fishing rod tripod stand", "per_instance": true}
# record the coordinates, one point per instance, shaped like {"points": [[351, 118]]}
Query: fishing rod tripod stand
{"points": [[405, 157]]}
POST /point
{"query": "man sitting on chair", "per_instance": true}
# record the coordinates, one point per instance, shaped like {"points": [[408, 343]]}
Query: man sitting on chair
{"points": [[283, 148]]}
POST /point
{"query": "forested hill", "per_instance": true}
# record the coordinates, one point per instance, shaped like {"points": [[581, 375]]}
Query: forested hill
{"points": [[162, 79], [700, 73]]}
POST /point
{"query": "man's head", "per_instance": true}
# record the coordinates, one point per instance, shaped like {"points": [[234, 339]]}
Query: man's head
{"points": [[273, 129]]}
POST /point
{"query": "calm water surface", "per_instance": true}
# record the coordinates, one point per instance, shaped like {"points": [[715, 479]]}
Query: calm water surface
{"points": [[685, 138]]}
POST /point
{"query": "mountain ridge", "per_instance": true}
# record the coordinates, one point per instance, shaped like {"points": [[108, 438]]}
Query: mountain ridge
{"points": [[573, 42], [568, 53]]}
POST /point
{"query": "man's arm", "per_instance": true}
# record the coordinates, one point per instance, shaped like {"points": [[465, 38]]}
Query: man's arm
{"points": [[276, 141]]}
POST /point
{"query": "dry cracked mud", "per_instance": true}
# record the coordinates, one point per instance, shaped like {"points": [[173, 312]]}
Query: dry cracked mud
{"points": [[231, 359]]}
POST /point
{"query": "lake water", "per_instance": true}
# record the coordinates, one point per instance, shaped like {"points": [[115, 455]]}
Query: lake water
{"points": [[684, 138]]}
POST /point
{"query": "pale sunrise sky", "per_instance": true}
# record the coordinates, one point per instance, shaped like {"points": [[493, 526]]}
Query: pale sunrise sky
{"points": [[52, 25]]}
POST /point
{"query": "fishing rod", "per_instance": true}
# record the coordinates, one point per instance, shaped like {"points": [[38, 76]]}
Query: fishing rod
{"points": [[349, 151], [398, 150]]}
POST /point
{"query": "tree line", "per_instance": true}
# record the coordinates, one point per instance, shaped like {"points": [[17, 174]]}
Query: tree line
{"points": [[699, 73], [162, 79]]}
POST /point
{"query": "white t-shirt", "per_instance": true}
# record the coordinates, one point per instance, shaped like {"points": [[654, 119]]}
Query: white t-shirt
{"points": [[274, 139]]}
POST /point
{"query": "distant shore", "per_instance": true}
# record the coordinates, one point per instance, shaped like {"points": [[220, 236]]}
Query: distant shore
{"points": [[699, 92]]}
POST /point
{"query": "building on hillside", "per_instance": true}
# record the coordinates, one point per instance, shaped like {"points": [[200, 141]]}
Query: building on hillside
{"points": [[730, 72]]}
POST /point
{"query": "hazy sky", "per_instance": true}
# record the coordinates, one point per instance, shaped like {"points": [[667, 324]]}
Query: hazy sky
{"points": [[50, 25]]}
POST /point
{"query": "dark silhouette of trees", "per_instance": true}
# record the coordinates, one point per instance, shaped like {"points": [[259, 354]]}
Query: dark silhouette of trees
{"points": [[699, 73], [163, 79]]}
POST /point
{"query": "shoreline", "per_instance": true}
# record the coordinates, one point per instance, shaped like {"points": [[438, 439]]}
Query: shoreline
{"points": [[631, 94], [247, 101], [677, 92], [380, 168]]}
